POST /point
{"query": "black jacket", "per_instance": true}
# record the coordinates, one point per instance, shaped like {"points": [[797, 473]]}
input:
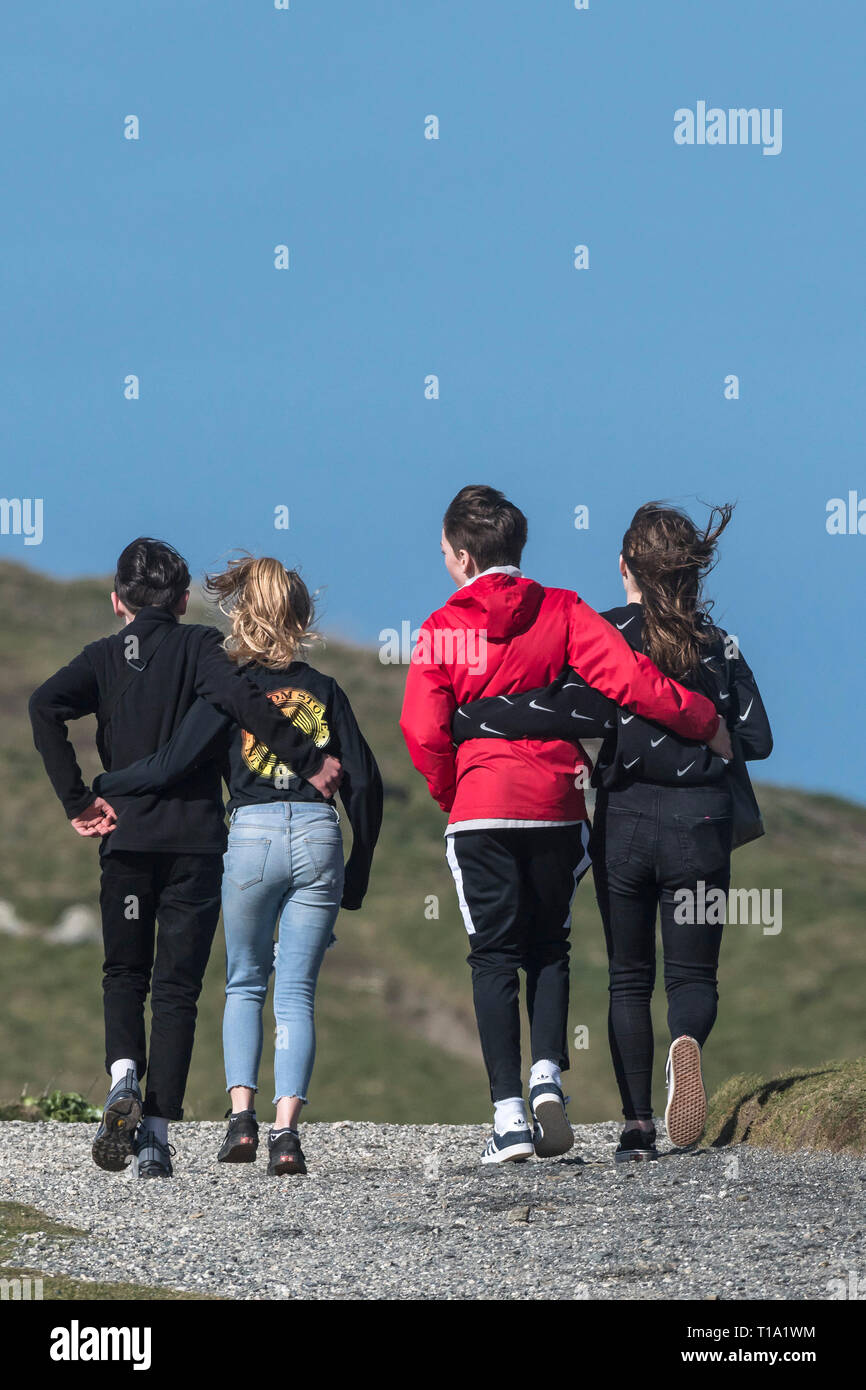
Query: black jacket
{"points": [[188, 663], [309, 700], [633, 749]]}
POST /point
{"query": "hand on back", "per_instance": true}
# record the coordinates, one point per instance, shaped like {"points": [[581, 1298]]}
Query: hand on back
{"points": [[720, 743], [328, 777], [96, 819]]}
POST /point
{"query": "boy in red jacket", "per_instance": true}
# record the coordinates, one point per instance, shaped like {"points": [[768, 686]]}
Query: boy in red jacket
{"points": [[517, 836]]}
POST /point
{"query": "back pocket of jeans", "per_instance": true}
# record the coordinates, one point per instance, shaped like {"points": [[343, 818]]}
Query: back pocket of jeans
{"points": [[244, 861], [325, 847], [619, 832], [705, 842]]}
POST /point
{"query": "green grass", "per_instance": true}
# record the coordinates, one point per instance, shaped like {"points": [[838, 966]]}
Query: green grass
{"points": [[68, 1107], [396, 989], [821, 1107], [17, 1220]]}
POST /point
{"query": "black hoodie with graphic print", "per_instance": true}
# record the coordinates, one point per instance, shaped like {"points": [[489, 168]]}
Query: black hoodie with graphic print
{"points": [[311, 703]]}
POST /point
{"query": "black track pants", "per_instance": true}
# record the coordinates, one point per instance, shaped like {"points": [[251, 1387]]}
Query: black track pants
{"points": [[515, 888]]}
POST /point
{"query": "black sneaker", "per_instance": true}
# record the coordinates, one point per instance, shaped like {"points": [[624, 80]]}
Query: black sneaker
{"points": [[636, 1146], [285, 1154], [113, 1145], [152, 1157], [242, 1138]]}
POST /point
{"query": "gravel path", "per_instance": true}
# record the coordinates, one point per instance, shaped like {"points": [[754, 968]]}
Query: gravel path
{"points": [[400, 1211]]}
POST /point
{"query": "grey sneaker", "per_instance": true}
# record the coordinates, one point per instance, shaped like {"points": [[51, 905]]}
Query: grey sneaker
{"points": [[153, 1158], [113, 1145]]}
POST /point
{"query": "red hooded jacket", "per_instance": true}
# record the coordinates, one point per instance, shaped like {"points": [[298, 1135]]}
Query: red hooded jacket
{"points": [[503, 634]]}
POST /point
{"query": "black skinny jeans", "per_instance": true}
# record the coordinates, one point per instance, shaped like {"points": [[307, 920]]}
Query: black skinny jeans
{"points": [[648, 842], [180, 892]]}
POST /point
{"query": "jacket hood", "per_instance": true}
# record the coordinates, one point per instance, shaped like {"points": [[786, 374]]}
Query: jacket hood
{"points": [[504, 605]]}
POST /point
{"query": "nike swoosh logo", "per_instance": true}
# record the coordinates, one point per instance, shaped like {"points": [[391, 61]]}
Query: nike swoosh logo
{"points": [[545, 709], [626, 719], [682, 770], [575, 715], [748, 707], [463, 714], [725, 697], [626, 623], [654, 742], [608, 724], [487, 729], [575, 685], [505, 698], [632, 763]]}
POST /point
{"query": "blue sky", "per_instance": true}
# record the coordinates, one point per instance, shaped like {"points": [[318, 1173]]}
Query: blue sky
{"points": [[453, 257]]}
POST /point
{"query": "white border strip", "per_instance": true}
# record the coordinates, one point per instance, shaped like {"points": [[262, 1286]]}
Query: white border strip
{"points": [[451, 856]]}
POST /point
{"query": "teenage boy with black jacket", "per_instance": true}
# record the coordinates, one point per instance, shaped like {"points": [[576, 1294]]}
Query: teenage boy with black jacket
{"points": [[160, 855]]}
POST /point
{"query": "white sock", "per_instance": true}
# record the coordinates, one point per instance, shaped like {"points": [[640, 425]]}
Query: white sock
{"points": [[154, 1127], [545, 1070], [509, 1114], [120, 1068]]}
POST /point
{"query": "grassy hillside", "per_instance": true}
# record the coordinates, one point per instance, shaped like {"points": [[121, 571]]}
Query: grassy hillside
{"points": [[396, 1030], [822, 1107]]}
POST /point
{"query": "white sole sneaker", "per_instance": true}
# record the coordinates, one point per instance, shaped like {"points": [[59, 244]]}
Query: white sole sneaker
{"points": [[514, 1147], [686, 1110], [554, 1135]]}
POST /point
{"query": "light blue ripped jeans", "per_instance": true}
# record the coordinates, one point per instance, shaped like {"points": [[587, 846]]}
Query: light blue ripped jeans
{"points": [[283, 870]]}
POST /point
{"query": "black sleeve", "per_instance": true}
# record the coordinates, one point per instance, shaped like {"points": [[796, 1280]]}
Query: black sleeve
{"points": [[567, 709], [69, 694], [361, 794], [220, 682], [748, 718], [200, 736]]}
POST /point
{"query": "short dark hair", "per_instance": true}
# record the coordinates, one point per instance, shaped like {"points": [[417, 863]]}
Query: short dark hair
{"points": [[482, 521], [150, 574]]}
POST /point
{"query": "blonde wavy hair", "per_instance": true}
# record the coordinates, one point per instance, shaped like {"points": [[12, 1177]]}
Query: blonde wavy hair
{"points": [[270, 610]]}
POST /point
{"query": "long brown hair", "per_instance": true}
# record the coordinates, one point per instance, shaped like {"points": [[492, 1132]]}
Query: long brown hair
{"points": [[270, 610], [669, 558]]}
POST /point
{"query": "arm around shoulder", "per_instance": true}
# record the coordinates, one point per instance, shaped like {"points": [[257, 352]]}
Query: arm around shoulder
{"points": [[606, 661]]}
